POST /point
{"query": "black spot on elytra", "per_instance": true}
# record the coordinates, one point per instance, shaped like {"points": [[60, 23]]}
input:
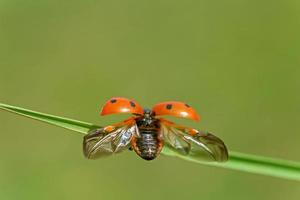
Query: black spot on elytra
{"points": [[132, 104], [169, 106], [113, 100], [187, 105]]}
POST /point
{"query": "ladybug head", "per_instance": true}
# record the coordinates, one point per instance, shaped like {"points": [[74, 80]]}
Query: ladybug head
{"points": [[147, 113]]}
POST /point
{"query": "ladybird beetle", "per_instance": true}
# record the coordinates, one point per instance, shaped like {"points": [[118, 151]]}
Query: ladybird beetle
{"points": [[146, 132]]}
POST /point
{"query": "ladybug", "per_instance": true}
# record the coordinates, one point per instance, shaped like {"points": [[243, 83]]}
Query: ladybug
{"points": [[146, 132]]}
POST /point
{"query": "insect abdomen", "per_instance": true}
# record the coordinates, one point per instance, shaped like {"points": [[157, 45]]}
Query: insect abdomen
{"points": [[148, 146]]}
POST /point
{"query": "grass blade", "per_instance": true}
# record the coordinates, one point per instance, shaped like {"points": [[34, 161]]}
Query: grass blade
{"points": [[71, 124], [237, 161], [252, 164]]}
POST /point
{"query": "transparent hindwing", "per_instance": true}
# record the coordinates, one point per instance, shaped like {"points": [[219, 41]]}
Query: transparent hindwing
{"points": [[202, 146], [100, 142]]}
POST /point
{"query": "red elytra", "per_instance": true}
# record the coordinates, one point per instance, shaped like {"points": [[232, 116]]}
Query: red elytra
{"points": [[171, 108], [121, 105], [175, 108]]}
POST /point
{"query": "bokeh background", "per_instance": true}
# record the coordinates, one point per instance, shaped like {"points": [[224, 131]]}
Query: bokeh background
{"points": [[236, 62]]}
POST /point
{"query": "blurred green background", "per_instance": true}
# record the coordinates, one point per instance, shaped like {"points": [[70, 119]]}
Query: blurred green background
{"points": [[236, 62]]}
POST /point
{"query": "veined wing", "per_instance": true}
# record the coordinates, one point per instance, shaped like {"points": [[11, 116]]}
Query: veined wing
{"points": [[104, 141], [202, 146]]}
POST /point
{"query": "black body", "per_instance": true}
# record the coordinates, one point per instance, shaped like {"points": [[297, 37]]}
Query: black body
{"points": [[149, 144]]}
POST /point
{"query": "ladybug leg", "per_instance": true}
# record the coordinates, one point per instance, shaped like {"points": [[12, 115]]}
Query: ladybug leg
{"points": [[134, 145], [184, 129]]}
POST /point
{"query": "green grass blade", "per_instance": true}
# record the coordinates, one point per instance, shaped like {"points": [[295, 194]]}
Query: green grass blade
{"points": [[71, 124], [252, 164], [237, 161]]}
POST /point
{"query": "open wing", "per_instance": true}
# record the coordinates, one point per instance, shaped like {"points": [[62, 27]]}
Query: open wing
{"points": [[202, 146], [106, 141]]}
